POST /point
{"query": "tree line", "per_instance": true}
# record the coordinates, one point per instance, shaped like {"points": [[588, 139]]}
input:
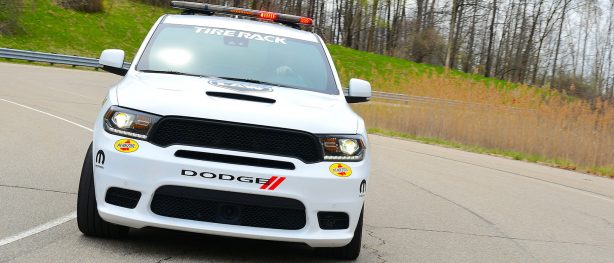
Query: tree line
{"points": [[563, 44]]}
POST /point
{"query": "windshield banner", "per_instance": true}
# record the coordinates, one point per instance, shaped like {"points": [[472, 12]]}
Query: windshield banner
{"points": [[240, 34]]}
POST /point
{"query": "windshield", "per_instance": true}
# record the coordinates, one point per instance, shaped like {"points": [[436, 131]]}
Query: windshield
{"points": [[238, 55]]}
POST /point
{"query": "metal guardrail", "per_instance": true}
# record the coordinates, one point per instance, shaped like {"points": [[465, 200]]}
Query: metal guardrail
{"points": [[33, 56], [51, 58]]}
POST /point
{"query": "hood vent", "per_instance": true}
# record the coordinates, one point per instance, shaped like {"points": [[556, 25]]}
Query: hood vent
{"points": [[236, 96]]}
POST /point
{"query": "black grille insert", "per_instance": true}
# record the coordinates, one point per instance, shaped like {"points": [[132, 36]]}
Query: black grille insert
{"points": [[333, 220], [122, 197], [229, 208], [223, 158], [236, 136]]}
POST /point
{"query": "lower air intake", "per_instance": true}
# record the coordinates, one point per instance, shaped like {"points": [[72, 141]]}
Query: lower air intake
{"points": [[333, 220], [229, 208], [122, 197]]}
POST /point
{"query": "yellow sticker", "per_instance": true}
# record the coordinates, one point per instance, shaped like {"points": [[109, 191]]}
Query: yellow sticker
{"points": [[340, 170], [126, 145]]}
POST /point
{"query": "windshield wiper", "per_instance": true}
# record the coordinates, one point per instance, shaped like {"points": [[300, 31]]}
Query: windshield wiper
{"points": [[251, 81], [170, 72]]}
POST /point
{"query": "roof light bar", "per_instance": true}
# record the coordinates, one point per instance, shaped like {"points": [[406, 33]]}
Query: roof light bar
{"points": [[268, 15], [210, 9]]}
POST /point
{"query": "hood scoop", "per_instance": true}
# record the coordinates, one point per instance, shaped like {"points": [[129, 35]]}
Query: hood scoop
{"points": [[240, 86], [236, 96]]}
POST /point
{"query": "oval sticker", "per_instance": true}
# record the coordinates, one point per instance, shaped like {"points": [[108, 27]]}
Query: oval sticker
{"points": [[340, 170], [126, 145]]}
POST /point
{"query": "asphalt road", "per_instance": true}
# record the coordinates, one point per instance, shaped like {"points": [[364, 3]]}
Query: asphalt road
{"points": [[425, 203]]}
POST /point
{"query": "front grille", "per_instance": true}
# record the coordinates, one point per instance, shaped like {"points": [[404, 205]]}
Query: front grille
{"points": [[229, 208], [122, 197], [238, 137], [223, 158]]}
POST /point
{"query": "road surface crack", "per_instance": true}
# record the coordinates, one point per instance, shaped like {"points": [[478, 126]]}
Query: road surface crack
{"points": [[37, 189], [450, 201], [164, 259], [585, 191], [373, 250], [515, 241], [483, 235]]}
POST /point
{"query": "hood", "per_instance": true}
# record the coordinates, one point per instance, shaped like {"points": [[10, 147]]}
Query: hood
{"points": [[174, 95]]}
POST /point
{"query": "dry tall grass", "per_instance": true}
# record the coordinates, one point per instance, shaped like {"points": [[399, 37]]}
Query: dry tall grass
{"points": [[522, 119]]}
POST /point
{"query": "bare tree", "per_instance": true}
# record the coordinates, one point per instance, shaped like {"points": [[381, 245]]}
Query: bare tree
{"points": [[452, 31], [559, 42], [491, 38]]}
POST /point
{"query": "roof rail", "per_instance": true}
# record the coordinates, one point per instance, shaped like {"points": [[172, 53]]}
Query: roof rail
{"points": [[209, 9]]}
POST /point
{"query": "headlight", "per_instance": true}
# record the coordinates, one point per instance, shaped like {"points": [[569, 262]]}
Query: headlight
{"points": [[343, 148], [123, 120], [129, 123]]}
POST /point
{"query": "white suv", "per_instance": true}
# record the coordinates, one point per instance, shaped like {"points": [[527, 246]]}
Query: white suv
{"points": [[229, 126]]}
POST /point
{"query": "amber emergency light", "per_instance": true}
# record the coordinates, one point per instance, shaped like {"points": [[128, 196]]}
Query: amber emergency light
{"points": [[270, 16]]}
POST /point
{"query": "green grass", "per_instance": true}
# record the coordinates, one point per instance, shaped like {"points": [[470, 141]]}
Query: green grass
{"points": [[351, 62], [559, 163], [125, 23], [395, 74], [49, 28]]}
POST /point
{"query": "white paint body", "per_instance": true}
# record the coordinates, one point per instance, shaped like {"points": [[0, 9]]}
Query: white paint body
{"points": [[112, 58], [151, 166]]}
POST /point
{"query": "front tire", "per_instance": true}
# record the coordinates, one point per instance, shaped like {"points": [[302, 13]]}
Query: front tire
{"points": [[89, 221], [350, 251]]}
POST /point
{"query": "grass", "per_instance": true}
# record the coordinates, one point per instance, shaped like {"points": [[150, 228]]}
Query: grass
{"points": [[49, 28], [360, 64], [570, 134], [563, 164], [487, 115], [125, 23]]}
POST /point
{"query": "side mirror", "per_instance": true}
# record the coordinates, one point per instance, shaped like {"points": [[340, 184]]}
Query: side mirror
{"points": [[112, 60], [358, 91]]}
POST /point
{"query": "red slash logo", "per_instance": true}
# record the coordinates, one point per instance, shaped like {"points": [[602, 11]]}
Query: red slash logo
{"points": [[272, 183]]}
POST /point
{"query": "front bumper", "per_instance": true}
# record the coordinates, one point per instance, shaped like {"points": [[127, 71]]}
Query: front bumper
{"points": [[151, 167]]}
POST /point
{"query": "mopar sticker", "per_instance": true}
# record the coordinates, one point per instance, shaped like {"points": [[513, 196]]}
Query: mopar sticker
{"points": [[340, 170], [100, 158], [126, 145], [240, 86], [363, 188]]}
